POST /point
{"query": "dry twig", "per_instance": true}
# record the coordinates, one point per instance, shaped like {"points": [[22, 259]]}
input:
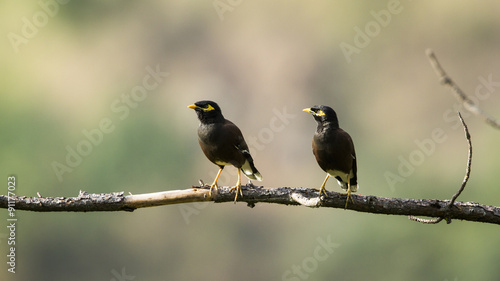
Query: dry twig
{"points": [[283, 195], [468, 103], [462, 187]]}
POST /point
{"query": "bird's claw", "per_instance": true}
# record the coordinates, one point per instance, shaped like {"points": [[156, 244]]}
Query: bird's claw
{"points": [[211, 187], [347, 199], [238, 188]]}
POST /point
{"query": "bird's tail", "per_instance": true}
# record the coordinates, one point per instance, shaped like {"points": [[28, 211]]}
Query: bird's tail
{"points": [[353, 182], [248, 167], [354, 187]]}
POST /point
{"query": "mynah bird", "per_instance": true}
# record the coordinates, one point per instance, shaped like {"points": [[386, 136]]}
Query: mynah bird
{"points": [[223, 143], [334, 150]]}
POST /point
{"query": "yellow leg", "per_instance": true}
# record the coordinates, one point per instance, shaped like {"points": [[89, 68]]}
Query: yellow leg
{"points": [[322, 188], [237, 187], [348, 194], [215, 183]]}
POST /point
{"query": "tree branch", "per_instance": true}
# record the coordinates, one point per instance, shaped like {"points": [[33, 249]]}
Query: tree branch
{"points": [[441, 209], [284, 195], [469, 162], [468, 103], [464, 182]]}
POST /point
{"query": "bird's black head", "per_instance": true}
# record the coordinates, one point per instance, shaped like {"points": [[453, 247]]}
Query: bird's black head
{"points": [[324, 115], [207, 111]]}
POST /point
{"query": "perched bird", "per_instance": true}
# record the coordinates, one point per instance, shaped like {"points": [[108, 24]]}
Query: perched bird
{"points": [[334, 150], [223, 143]]}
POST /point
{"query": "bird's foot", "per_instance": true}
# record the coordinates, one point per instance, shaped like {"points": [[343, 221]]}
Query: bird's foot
{"points": [[322, 190], [238, 191], [348, 196], [211, 187]]}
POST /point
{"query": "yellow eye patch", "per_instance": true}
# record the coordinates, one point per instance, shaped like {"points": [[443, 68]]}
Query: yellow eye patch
{"points": [[209, 108], [320, 113]]}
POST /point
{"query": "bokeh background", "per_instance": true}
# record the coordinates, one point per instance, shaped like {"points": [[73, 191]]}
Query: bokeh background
{"points": [[68, 66]]}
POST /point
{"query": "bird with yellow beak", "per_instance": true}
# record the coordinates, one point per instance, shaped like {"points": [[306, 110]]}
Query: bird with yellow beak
{"points": [[334, 150], [222, 143]]}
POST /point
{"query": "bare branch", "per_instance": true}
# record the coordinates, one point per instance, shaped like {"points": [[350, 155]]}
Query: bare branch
{"points": [[440, 209], [468, 103], [469, 162], [283, 195], [114, 201], [462, 187]]}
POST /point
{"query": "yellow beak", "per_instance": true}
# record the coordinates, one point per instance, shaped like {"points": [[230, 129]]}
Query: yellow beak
{"points": [[308, 110], [192, 106]]}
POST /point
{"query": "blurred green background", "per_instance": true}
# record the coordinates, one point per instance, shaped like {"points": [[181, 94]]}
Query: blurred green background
{"points": [[68, 66]]}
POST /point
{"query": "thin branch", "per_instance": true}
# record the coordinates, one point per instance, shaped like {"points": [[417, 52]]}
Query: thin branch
{"points": [[283, 195], [469, 162], [462, 187], [468, 103]]}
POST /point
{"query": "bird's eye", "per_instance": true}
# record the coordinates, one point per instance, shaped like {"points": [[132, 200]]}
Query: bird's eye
{"points": [[320, 113], [209, 108]]}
